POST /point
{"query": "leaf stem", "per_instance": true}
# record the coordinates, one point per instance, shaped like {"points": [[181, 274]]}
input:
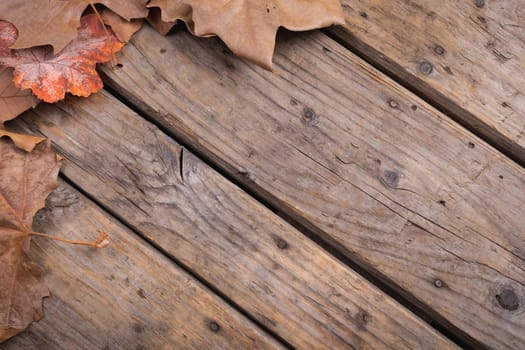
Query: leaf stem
{"points": [[101, 242], [108, 37]]}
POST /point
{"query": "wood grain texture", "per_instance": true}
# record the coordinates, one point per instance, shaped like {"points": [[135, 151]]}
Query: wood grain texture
{"points": [[126, 296], [370, 167], [476, 50], [256, 259]]}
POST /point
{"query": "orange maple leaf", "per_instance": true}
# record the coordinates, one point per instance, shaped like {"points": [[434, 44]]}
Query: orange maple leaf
{"points": [[72, 70]]}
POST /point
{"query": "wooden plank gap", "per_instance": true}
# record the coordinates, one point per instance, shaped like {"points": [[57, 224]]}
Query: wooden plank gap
{"points": [[213, 289], [423, 90], [310, 230], [371, 132]]}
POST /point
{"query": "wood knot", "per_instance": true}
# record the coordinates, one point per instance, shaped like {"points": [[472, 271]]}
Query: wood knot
{"points": [[508, 299], [425, 67], [138, 328], [391, 178], [361, 319], [309, 117], [141, 293], [479, 3]]}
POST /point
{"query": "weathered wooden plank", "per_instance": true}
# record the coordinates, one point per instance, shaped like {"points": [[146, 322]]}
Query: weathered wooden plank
{"points": [[126, 296], [466, 56], [370, 167], [256, 259]]}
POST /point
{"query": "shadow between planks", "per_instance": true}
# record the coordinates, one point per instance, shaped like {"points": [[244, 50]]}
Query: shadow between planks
{"points": [[274, 273], [465, 57], [392, 183]]}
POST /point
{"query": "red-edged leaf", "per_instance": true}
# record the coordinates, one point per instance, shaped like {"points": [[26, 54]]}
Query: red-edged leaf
{"points": [[72, 70]]}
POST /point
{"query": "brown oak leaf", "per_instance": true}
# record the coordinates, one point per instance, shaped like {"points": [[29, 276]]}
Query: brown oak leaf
{"points": [[72, 70], [13, 101], [122, 28], [8, 35], [55, 22], [26, 179], [249, 27]]}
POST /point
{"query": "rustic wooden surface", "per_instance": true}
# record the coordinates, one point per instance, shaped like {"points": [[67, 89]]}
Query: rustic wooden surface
{"points": [[256, 259], [126, 296], [476, 50], [328, 140]]}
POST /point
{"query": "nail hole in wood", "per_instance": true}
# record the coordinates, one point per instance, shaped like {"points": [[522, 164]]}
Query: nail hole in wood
{"points": [[214, 327], [393, 103], [282, 244]]}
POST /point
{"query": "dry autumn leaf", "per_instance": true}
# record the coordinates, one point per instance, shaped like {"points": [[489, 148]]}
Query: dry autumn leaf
{"points": [[72, 70], [26, 179], [55, 22], [249, 27], [13, 101], [8, 35], [122, 28]]}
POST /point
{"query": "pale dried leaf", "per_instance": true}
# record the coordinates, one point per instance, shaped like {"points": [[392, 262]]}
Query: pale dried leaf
{"points": [[13, 101], [122, 28], [26, 179], [55, 22], [155, 19], [22, 141], [249, 27]]}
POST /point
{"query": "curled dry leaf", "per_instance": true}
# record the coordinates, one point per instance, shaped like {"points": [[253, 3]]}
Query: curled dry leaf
{"points": [[55, 22], [26, 179], [122, 28], [72, 70], [22, 141], [155, 19], [249, 27]]}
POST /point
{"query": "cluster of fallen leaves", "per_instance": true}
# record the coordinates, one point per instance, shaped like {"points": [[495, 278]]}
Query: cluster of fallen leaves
{"points": [[51, 47]]}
